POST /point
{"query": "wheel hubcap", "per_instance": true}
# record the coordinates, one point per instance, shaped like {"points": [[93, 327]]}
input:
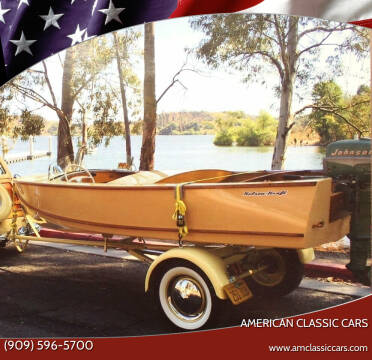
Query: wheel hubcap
{"points": [[186, 298], [273, 269]]}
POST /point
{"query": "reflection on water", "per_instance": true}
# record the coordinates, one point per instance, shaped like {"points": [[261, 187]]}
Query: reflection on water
{"points": [[180, 152]]}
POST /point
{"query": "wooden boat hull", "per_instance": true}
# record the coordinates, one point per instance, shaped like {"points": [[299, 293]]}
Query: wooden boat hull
{"points": [[287, 214]]}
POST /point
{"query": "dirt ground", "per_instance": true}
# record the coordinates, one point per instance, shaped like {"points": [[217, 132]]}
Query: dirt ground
{"points": [[48, 292]]}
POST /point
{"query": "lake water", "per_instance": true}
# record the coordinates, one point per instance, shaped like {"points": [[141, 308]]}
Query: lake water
{"points": [[181, 152]]}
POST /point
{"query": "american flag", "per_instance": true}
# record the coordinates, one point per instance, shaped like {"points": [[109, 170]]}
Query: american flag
{"points": [[32, 30]]}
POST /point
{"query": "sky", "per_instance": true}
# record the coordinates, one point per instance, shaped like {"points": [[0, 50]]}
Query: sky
{"points": [[209, 90], [220, 90]]}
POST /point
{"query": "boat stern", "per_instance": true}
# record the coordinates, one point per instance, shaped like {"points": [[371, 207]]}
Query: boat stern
{"points": [[329, 220]]}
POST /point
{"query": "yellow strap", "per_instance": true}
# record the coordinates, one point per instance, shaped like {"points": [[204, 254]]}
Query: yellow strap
{"points": [[35, 221], [181, 206], [180, 209], [31, 221]]}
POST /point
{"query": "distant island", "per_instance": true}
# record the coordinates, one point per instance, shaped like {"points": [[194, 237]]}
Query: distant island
{"points": [[236, 123]]}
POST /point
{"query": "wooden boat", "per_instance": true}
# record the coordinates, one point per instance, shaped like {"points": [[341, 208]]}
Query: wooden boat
{"points": [[287, 209], [248, 234]]}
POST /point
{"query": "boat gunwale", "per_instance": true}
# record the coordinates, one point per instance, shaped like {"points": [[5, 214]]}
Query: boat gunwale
{"points": [[189, 185]]}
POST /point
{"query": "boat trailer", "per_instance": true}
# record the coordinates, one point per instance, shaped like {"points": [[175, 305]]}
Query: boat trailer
{"points": [[189, 282]]}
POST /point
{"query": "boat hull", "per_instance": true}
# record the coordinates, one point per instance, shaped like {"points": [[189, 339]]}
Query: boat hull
{"points": [[288, 214]]}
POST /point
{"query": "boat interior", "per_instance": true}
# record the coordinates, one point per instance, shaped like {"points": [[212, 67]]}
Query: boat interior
{"points": [[131, 178]]}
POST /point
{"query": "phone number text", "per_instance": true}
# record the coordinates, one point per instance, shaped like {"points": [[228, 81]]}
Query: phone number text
{"points": [[48, 345]]}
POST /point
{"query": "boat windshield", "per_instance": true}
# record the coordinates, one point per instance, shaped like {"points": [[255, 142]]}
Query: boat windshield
{"points": [[54, 171]]}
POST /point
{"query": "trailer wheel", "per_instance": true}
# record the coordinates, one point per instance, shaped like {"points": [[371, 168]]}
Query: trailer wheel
{"points": [[186, 297], [282, 272]]}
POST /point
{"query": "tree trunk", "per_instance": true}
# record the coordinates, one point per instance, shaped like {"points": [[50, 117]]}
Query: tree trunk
{"points": [[84, 130], [65, 150], [149, 116], [124, 103], [286, 95]]}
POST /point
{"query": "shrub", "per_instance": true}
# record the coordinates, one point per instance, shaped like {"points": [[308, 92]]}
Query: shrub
{"points": [[223, 138]]}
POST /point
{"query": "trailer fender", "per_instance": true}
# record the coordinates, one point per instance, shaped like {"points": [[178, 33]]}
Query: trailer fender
{"points": [[212, 265], [5, 203], [306, 255]]}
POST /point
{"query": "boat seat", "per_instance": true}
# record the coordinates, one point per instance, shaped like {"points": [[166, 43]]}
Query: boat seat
{"points": [[140, 178]]}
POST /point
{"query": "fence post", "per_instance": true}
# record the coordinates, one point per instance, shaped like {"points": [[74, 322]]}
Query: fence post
{"points": [[4, 146], [49, 153], [31, 155]]}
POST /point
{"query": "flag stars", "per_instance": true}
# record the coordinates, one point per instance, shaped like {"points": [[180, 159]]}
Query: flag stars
{"points": [[72, 1], [77, 37], [51, 19], [112, 13], [23, 44], [87, 37], [2, 13], [23, 2]]}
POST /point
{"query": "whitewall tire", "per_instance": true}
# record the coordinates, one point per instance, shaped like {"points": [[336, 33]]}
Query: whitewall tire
{"points": [[186, 297]]}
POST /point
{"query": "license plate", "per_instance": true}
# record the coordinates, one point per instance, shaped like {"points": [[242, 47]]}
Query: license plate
{"points": [[238, 292]]}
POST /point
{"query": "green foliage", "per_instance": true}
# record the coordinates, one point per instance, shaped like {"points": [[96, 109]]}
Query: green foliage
{"points": [[259, 45], [225, 126], [30, 125], [137, 128], [359, 109], [5, 119], [244, 131], [246, 134], [327, 95], [336, 116], [94, 87], [101, 99], [255, 45], [223, 138], [257, 133], [104, 125]]}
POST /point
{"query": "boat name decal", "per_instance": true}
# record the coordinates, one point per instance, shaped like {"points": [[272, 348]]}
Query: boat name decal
{"points": [[266, 193]]}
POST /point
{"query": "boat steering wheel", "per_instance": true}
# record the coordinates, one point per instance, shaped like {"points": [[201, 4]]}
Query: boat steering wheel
{"points": [[76, 167]]}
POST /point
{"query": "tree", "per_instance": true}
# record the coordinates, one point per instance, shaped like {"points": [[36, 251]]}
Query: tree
{"points": [[223, 138], [65, 150], [359, 107], [104, 125], [30, 125], [265, 128], [149, 101], [79, 72], [100, 101], [335, 116], [124, 102], [256, 44], [237, 127], [5, 98], [228, 124], [124, 45], [327, 95]]}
